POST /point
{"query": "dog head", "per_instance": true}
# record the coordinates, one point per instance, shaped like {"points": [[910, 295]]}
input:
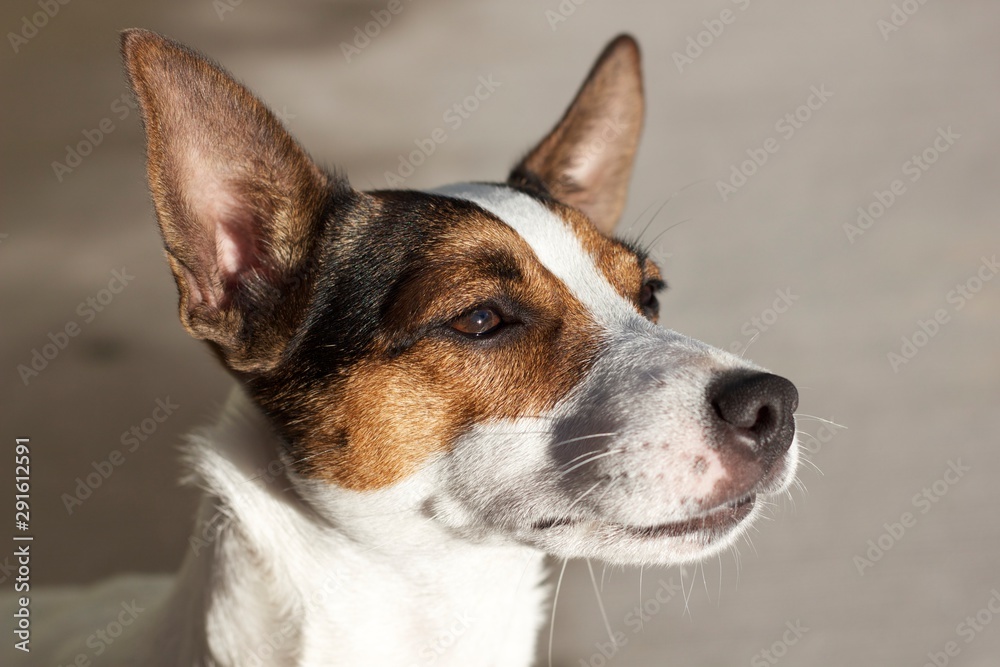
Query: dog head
{"points": [[493, 341]]}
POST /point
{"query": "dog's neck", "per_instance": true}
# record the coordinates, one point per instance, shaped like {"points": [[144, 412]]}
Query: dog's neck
{"points": [[284, 572]]}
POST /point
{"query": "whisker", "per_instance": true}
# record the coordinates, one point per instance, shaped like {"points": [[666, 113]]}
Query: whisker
{"points": [[669, 199], [582, 495], [641, 216], [734, 550], [660, 235], [600, 604], [655, 379], [719, 557], [590, 453], [555, 602], [683, 596], [744, 352], [653, 218], [687, 596], [752, 545], [642, 623], [819, 419], [610, 486], [815, 467], [592, 459], [585, 437], [580, 456], [787, 496]]}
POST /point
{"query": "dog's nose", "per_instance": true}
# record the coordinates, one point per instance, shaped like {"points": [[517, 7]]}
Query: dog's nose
{"points": [[759, 406]]}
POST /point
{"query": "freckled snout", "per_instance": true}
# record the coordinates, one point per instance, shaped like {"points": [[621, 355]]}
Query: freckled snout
{"points": [[757, 409]]}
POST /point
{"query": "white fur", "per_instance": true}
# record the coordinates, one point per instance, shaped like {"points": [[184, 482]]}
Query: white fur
{"points": [[286, 572], [555, 245]]}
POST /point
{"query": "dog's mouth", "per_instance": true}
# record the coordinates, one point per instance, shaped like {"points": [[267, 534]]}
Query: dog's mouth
{"points": [[715, 522]]}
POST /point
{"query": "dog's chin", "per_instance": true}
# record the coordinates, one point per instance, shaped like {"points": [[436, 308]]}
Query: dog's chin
{"points": [[607, 533], [660, 544], [681, 541]]}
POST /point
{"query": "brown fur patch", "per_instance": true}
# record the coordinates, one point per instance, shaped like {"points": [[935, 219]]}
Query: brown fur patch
{"points": [[423, 385]]}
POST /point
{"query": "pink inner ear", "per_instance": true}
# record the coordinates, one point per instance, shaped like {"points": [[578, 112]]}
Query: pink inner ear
{"points": [[228, 233], [586, 171], [230, 255], [236, 251]]}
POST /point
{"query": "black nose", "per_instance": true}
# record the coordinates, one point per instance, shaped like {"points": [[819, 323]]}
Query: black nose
{"points": [[759, 406]]}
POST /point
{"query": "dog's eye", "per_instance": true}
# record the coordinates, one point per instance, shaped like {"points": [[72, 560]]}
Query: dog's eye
{"points": [[647, 299], [478, 322]]}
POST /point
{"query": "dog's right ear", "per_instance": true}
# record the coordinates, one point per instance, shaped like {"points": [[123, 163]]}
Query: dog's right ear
{"points": [[586, 160], [239, 202]]}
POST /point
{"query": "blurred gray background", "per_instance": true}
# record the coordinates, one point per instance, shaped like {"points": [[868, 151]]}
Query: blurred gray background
{"points": [[895, 78]]}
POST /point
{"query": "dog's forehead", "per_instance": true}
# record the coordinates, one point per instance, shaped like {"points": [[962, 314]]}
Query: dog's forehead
{"points": [[595, 269], [379, 243]]}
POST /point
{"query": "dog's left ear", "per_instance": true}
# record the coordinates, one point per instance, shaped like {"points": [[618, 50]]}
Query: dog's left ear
{"points": [[240, 204], [586, 161]]}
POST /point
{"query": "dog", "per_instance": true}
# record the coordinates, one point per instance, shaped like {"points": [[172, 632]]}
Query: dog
{"points": [[435, 390]]}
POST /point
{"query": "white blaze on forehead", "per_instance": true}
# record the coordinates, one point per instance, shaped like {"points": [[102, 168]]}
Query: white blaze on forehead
{"points": [[555, 244]]}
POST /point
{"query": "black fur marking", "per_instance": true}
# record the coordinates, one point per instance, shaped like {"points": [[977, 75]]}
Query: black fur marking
{"points": [[524, 180], [370, 242]]}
